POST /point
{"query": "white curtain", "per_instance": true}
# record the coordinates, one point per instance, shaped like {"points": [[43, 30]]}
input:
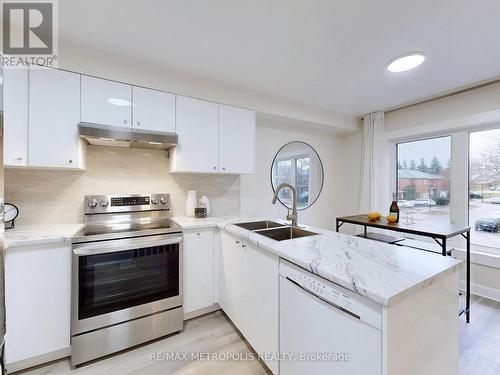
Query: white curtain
{"points": [[374, 189]]}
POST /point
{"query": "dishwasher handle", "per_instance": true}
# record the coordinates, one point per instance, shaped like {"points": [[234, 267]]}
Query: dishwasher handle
{"points": [[323, 299]]}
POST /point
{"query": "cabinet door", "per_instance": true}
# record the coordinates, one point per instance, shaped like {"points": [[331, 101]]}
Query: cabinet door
{"points": [[197, 124], [198, 277], [54, 113], [37, 300], [232, 279], [153, 110], [106, 102], [15, 86], [236, 140], [261, 301]]}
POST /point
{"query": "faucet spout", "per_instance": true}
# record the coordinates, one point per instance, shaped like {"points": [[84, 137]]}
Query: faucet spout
{"points": [[293, 216]]}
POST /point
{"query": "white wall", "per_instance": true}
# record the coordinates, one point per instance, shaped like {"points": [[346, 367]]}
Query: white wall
{"points": [[479, 105], [90, 61], [340, 157]]}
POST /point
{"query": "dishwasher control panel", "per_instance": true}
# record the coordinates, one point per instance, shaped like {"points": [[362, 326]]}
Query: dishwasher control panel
{"points": [[351, 303]]}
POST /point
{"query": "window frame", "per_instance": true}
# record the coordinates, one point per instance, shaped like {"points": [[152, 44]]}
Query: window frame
{"points": [[420, 139], [293, 161], [460, 136], [495, 250]]}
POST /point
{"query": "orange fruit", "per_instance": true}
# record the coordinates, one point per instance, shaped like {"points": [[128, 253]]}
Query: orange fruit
{"points": [[391, 218]]}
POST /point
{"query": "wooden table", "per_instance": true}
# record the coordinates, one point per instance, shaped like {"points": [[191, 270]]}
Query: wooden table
{"points": [[438, 232]]}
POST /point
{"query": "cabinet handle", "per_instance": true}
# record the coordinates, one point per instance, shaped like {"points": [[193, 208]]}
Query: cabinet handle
{"points": [[138, 123], [237, 242], [244, 246], [215, 168], [223, 168], [125, 122], [70, 161], [198, 234], [19, 158]]}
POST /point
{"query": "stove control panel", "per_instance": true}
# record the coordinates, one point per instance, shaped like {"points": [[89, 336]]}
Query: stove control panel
{"points": [[130, 201], [101, 204]]}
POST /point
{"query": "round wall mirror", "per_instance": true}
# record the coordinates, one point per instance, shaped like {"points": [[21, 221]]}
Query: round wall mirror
{"points": [[299, 165]]}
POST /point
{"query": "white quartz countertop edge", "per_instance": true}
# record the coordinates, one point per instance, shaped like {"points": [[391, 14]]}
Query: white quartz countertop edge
{"points": [[363, 266], [29, 235]]}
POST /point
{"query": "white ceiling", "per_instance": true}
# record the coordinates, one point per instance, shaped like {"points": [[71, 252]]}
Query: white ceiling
{"points": [[330, 54]]}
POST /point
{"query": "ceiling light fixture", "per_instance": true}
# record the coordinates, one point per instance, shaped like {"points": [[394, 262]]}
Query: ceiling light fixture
{"points": [[154, 143], [106, 139], [406, 62], [118, 101]]}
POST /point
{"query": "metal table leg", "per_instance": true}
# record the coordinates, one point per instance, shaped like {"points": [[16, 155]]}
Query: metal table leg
{"points": [[467, 293]]}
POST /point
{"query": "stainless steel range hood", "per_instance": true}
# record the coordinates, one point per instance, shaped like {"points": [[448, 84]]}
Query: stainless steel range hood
{"points": [[116, 136]]}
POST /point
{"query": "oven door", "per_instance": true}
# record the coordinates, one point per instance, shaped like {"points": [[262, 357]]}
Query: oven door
{"points": [[120, 280]]}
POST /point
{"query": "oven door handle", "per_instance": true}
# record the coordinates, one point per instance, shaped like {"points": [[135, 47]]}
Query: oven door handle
{"points": [[103, 247]]}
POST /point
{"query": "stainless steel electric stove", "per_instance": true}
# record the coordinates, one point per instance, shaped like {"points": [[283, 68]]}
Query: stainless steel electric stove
{"points": [[127, 273]]}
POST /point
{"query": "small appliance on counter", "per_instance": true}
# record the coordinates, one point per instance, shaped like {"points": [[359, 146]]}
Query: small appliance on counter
{"points": [[200, 212], [191, 202], [205, 203], [10, 214], [127, 275]]}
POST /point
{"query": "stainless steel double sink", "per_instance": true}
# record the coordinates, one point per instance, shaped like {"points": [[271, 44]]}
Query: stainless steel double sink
{"points": [[275, 231]]}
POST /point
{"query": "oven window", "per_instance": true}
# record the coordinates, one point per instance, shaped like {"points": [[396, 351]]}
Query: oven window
{"points": [[114, 281]]}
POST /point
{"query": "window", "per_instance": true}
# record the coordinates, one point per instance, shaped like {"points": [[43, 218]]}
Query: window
{"points": [[294, 171], [484, 187], [423, 179]]}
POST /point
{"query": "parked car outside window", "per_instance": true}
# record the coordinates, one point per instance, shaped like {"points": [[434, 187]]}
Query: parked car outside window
{"points": [[424, 202], [488, 224], [405, 204], [495, 200]]}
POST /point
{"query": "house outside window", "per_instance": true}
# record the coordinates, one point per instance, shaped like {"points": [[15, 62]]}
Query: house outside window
{"points": [[423, 179]]}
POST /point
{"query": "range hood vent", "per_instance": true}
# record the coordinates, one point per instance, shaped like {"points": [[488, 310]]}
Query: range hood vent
{"points": [[116, 136]]}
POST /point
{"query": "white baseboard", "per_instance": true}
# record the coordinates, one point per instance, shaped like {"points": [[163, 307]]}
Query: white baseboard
{"points": [[38, 360], [202, 311], [482, 291]]}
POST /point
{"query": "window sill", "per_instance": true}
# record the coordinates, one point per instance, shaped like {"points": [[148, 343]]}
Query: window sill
{"points": [[479, 257]]}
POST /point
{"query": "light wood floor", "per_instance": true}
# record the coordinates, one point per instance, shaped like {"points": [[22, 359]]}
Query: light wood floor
{"points": [[479, 348]]}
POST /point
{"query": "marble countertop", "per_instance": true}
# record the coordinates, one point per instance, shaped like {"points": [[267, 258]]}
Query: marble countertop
{"points": [[384, 273], [23, 235]]}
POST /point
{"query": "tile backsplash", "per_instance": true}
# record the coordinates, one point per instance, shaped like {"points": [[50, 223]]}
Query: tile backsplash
{"points": [[56, 196]]}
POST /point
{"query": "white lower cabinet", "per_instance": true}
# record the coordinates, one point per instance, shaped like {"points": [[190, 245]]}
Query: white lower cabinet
{"points": [[230, 274], [247, 291], [37, 297], [198, 270]]}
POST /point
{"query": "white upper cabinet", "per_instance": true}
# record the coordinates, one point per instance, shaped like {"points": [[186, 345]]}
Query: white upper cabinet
{"points": [[153, 110], [213, 138], [197, 126], [54, 113], [106, 102], [236, 140], [15, 82]]}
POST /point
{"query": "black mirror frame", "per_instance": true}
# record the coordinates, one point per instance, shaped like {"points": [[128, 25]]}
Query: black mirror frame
{"points": [[322, 170]]}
